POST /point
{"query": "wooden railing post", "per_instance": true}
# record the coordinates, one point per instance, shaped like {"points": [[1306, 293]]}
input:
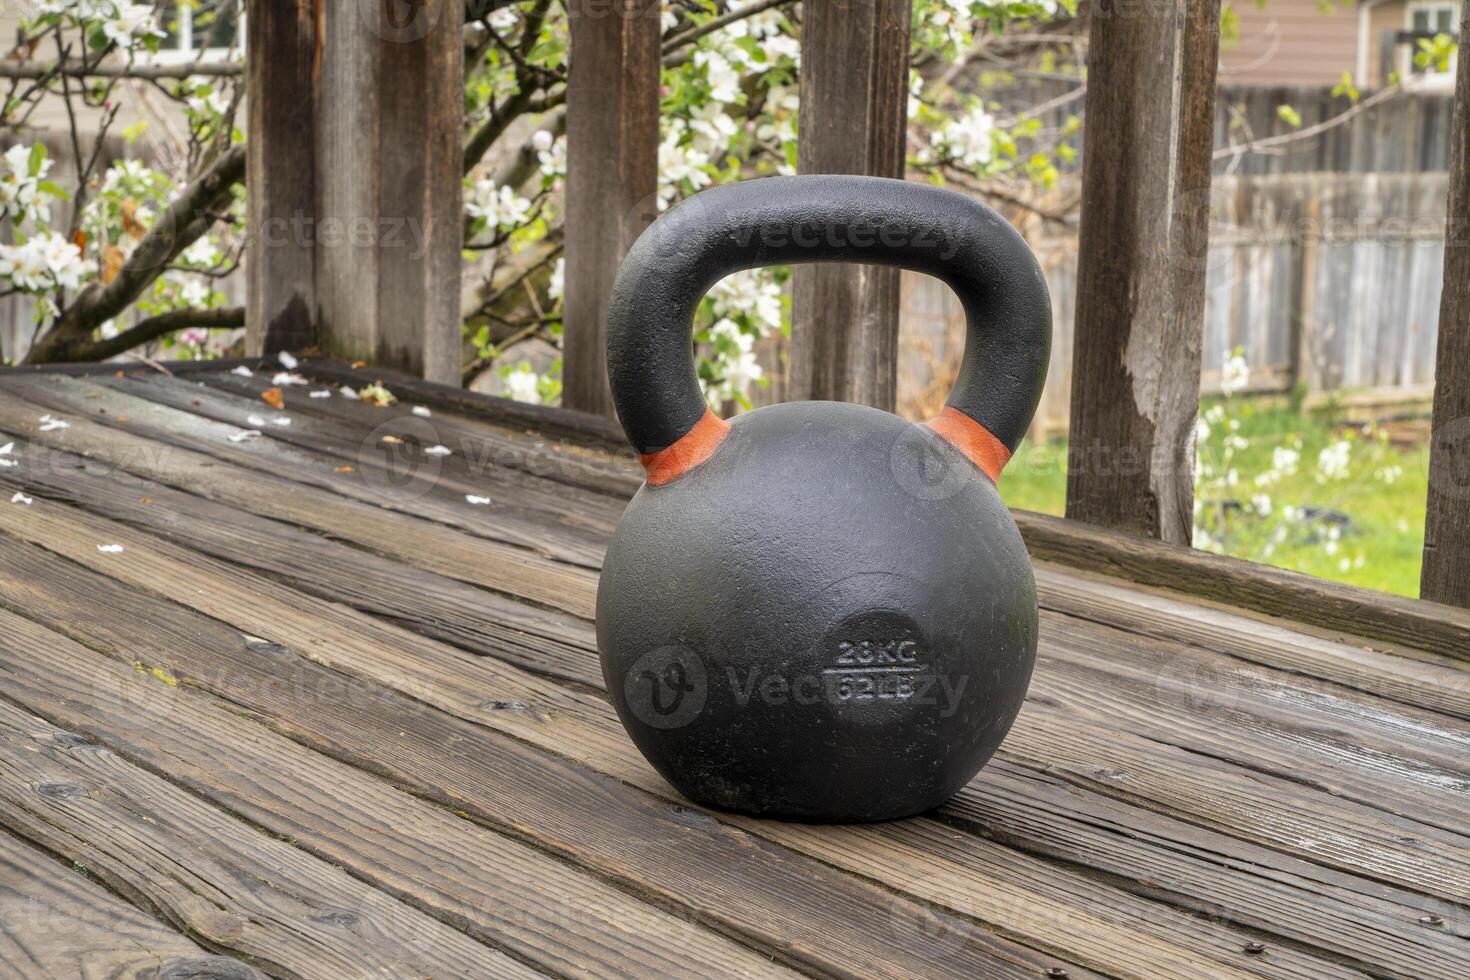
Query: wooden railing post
{"points": [[1446, 572], [1141, 265], [355, 180], [854, 113], [280, 302], [612, 175]]}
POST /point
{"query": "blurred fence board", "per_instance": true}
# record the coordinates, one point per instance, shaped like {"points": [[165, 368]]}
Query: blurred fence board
{"points": [[1404, 134], [1344, 267]]}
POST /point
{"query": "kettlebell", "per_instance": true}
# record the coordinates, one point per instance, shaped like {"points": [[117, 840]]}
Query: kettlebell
{"points": [[820, 611]]}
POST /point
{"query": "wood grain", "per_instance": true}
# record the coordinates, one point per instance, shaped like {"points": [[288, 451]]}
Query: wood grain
{"points": [[280, 167], [1446, 572], [452, 687], [612, 174], [804, 913], [854, 93], [55, 922], [227, 884], [385, 229], [498, 889], [1141, 265], [419, 542]]}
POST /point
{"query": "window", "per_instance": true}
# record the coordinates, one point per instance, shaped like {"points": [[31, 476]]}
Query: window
{"points": [[1434, 18], [202, 30], [1427, 18]]}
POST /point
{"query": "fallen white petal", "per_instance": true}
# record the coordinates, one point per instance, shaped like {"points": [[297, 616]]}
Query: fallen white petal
{"points": [[245, 434], [7, 463], [243, 371], [323, 393], [348, 392], [285, 378], [438, 451], [5, 449], [110, 549], [51, 424], [421, 411], [478, 501], [281, 420], [20, 498], [287, 361], [254, 420]]}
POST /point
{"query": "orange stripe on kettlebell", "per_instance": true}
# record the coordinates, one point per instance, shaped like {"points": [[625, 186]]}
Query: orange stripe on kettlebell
{"points": [[978, 444], [693, 448]]}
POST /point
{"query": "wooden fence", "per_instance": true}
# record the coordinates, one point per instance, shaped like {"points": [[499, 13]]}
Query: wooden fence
{"points": [[1327, 281], [1406, 132], [1139, 313]]}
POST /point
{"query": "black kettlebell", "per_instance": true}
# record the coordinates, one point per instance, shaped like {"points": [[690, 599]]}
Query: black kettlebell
{"points": [[821, 611]]}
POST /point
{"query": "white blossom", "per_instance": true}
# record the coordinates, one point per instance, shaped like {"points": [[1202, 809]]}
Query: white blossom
{"points": [[967, 139], [1235, 375], [129, 24], [43, 262], [724, 80], [522, 385], [499, 207], [1333, 462]]}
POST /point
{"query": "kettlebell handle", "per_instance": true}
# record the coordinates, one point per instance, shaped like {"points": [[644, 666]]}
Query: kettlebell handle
{"points": [[820, 218]]}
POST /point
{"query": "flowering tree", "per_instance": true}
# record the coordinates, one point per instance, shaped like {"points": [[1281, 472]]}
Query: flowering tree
{"points": [[729, 111], [120, 237], [127, 254]]}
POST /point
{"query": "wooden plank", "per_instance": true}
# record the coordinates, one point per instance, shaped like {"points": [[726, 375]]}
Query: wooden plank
{"points": [[612, 175], [366, 589], [418, 542], [588, 429], [854, 93], [320, 449], [386, 229], [585, 482], [281, 304], [1019, 894], [1141, 266], [58, 923], [1351, 614], [603, 741], [226, 883], [1407, 763], [498, 889], [542, 640], [1345, 610], [1446, 573], [1342, 610], [1435, 684], [807, 914]]}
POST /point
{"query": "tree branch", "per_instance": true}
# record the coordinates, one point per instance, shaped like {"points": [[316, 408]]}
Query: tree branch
{"points": [[678, 41], [186, 219], [83, 69], [151, 329]]}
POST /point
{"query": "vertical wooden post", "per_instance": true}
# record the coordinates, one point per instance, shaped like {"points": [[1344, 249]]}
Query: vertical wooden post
{"points": [[1446, 572], [280, 303], [854, 115], [356, 167], [390, 98], [612, 175], [1141, 265]]}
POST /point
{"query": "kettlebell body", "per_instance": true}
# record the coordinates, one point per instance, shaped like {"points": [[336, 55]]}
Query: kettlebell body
{"points": [[820, 611]]}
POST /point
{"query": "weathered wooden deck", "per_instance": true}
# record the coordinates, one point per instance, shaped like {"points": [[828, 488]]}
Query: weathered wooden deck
{"points": [[320, 720]]}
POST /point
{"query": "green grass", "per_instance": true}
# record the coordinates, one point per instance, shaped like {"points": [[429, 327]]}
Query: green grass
{"points": [[1387, 518]]}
